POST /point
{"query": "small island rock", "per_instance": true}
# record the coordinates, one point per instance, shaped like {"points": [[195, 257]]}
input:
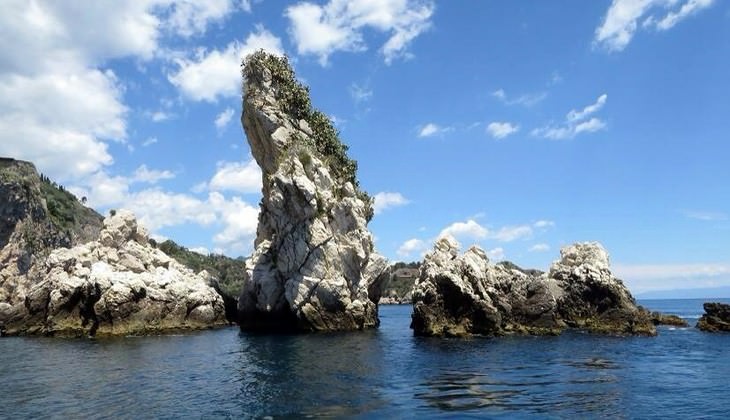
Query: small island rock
{"points": [[313, 267], [460, 295], [716, 317]]}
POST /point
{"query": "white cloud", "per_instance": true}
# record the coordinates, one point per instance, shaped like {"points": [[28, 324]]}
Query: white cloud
{"points": [[527, 99], [574, 115], [411, 247], [360, 93], [496, 254], [150, 176], [432, 129], [512, 233], [539, 248], [158, 116], [222, 120], [621, 20], [707, 216], [242, 177], [386, 200], [338, 25], [500, 130], [150, 141], [217, 73], [192, 17], [240, 221], [465, 230], [575, 122], [543, 224]]}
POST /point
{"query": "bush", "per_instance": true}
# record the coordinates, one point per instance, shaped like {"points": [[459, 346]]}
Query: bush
{"points": [[294, 98]]}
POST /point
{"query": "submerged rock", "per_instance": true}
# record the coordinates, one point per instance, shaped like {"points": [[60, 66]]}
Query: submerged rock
{"points": [[716, 317], [460, 295], [313, 267], [117, 285]]}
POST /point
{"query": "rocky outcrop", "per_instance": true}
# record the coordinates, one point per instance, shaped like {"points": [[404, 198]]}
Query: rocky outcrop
{"points": [[659, 318], [313, 268], [116, 285], [716, 317], [460, 295]]}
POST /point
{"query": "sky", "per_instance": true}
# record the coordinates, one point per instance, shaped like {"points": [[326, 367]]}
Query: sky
{"points": [[520, 126]]}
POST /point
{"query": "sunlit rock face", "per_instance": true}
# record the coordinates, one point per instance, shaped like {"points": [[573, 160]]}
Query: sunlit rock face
{"points": [[461, 295], [118, 284], [313, 267]]}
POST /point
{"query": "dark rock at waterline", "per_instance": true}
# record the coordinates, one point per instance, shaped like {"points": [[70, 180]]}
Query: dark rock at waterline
{"points": [[716, 317], [461, 295], [659, 318]]}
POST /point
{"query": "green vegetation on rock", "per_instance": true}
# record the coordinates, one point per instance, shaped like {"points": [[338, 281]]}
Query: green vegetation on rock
{"points": [[227, 271], [294, 98]]}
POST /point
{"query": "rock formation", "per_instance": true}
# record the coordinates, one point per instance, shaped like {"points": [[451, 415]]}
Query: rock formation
{"points": [[64, 272], [313, 267], [659, 318], [716, 317], [117, 285], [460, 295]]}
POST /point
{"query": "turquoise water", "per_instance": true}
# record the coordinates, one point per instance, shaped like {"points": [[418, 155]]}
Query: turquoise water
{"points": [[386, 373]]}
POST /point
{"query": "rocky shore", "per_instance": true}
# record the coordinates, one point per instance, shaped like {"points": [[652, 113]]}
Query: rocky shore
{"points": [[461, 295]]}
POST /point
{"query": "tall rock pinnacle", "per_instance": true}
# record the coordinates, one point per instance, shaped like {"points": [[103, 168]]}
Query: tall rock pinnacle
{"points": [[313, 267]]}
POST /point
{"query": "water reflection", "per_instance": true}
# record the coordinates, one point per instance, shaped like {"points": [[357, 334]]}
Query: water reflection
{"points": [[311, 375]]}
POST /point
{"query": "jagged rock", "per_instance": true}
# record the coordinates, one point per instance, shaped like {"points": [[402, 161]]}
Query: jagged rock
{"points": [[716, 317], [313, 267], [117, 285], [458, 295]]}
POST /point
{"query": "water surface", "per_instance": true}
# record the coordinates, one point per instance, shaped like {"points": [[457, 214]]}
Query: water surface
{"points": [[384, 373]]}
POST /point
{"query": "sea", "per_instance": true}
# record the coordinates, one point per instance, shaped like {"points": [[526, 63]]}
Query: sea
{"points": [[384, 373]]}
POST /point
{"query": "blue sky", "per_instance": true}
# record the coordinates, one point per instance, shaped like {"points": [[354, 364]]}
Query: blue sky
{"points": [[520, 126]]}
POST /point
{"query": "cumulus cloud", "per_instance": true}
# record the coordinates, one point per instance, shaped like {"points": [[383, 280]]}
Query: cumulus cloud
{"points": [[470, 230], [576, 122], [387, 200], [622, 19], [431, 129], [500, 130], [339, 25], [214, 74], [222, 119], [242, 177], [192, 17], [411, 247]]}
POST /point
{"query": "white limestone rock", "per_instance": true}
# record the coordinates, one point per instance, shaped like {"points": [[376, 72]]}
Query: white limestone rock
{"points": [[313, 263]]}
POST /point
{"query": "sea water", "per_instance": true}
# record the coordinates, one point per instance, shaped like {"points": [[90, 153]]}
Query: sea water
{"points": [[386, 373]]}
